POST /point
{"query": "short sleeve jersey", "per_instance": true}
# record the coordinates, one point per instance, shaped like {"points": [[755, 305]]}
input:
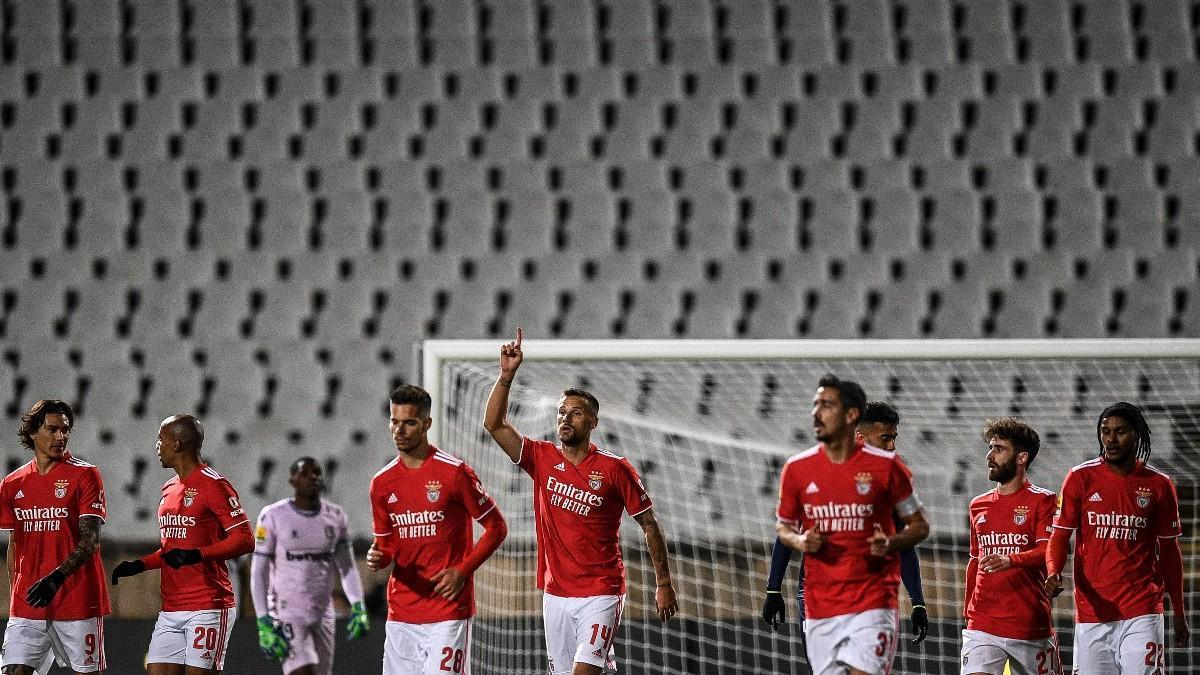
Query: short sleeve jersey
{"points": [[1118, 521], [197, 511], [422, 518], [577, 512], [42, 513], [848, 500], [1012, 603], [301, 546]]}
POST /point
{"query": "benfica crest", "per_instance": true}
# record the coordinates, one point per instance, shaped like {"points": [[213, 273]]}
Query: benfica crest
{"points": [[60, 488], [1020, 515], [433, 490], [1143, 497], [189, 496], [595, 480], [863, 481]]}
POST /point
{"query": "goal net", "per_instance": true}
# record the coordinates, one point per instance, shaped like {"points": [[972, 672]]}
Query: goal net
{"points": [[709, 425]]}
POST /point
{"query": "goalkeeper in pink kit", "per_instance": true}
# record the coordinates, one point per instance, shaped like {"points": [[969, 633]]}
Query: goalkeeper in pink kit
{"points": [[302, 545]]}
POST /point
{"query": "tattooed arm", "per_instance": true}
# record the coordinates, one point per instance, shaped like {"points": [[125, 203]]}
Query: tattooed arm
{"points": [[664, 595], [89, 540]]}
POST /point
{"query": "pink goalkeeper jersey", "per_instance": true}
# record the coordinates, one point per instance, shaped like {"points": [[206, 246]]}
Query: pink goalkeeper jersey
{"points": [[577, 511], [422, 517], [1118, 521], [301, 546], [849, 500]]}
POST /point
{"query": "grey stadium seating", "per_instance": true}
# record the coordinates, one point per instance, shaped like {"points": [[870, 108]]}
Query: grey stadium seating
{"points": [[269, 202]]}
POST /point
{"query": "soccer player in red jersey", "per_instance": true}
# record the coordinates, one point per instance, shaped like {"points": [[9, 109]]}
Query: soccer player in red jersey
{"points": [[836, 505], [201, 524], [580, 492], [1125, 516], [422, 505], [1006, 604], [53, 508], [878, 427]]}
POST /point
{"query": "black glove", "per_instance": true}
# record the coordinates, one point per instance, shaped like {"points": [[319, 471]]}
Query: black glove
{"points": [[920, 623], [41, 593], [774, 609], [127, 568], [178, 557]]}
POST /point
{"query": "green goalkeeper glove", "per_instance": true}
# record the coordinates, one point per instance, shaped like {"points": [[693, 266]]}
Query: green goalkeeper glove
{"points": [[271, 641], [359, 623]]}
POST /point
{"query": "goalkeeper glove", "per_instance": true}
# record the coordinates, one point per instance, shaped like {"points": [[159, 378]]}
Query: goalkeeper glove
{"points": [[773, 611], [271, 641], [359, 623]]}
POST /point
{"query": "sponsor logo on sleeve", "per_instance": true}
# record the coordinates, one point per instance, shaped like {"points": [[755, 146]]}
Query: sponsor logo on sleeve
{"points": [[260, 533]]}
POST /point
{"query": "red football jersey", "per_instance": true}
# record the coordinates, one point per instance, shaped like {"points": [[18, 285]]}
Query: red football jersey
{"points": [[577, 511], [423, 518], [43, 513], [848, 499], [197, 511], [1012, 603], [1118, 521]]}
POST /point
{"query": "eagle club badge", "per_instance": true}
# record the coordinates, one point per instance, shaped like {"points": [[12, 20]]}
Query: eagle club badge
{"points": [[433, 490], [1020, 515], [595, 480], [1143, 497], [863, 483], [60, 488], [189, 496]]}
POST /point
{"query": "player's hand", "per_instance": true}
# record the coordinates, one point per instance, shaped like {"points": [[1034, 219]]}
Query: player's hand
{"points": [[374, 559], [41, 593], [511, 356], [448, 582], [1054, 585], [665, 600], [127, 568], [995, 563], [879, 542], [271, 641], [774, 612], [812, 540], [1183, 634], [180, 557], [359, 622], [920, 623]]}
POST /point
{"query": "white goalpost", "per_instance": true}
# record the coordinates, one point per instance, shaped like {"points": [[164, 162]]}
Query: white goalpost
{"points": [[709, 424]]}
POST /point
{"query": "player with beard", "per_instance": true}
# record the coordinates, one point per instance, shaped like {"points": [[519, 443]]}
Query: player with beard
{"points": [[422, 505], [580, 491], [52, 508], [302, 545], [879, 428], [836, 505], [1125, 516], [1006, 604]]}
